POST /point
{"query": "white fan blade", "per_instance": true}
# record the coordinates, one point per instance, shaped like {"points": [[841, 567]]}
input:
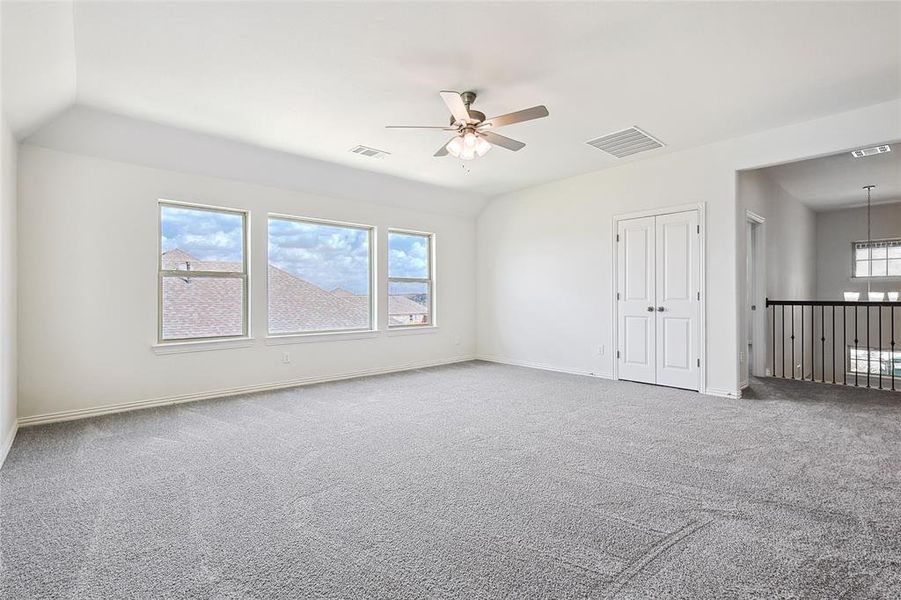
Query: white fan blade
{"points": [[421, 127], [455, 105], [536, 112], [502, 141]]}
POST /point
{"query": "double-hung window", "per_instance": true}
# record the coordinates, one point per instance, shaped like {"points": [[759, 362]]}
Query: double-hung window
{"points": [[411, 279], [878, 258], [320, 276], [202, 272]]}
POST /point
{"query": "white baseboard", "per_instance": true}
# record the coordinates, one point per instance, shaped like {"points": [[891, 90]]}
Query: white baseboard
{"points": [[544, 367], [83, 413], [8, 442], [723, 393]]}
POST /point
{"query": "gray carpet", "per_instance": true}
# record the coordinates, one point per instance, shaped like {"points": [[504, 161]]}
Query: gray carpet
{"points": [[468, 481]]}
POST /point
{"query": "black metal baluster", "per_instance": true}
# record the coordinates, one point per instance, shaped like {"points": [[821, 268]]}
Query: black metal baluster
{"points": [[783, 341], [823, 343], [833, 343], [793, 342], [802, 342], [844, 345], [893, 348], [856, 340], [813, 351], [774, 338], [869, 348], [879, 308]]}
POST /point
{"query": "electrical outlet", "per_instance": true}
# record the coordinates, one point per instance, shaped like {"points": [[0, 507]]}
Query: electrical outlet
{"points": [[286, 357]]}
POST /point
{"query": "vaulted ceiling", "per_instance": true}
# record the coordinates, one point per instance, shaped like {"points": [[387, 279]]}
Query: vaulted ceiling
{"points": [[315, 79]]}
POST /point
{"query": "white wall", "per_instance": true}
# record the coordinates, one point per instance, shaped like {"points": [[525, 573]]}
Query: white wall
{"points": [[88, 287], [836, 231], [790, 236], [545, 254], [789, 256], [8, 190]]}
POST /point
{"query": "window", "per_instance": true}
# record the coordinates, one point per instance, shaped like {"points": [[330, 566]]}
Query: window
{"points": [[320, 276], [879, 258], [202, 273], [410, 279], [877, 362]]}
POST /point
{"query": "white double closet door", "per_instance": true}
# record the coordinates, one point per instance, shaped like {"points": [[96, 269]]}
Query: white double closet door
{"points": [[658, 303]]}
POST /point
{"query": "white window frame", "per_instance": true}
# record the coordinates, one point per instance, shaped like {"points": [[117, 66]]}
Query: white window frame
{"points": [[430, 280], [873, 243], [244, 275], [313, 333]]}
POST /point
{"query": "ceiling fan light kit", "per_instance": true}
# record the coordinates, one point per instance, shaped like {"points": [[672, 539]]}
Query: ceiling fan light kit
{"points": [[472, 139]]}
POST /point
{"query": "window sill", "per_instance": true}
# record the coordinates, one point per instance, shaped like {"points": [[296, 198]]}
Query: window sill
{"points": [[163, 348], [331, 336], [412, 330]]}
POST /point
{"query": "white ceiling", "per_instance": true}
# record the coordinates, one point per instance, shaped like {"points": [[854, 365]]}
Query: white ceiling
{"points": [[837, 181], [38, 62], [316, 79]]}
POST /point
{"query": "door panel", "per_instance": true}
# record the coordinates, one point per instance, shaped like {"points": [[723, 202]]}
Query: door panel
{"points": [[675, 250], [676, 342], [678, 283], [636, 283]]}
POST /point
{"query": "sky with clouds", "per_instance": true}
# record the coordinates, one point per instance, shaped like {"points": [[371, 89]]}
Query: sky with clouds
{"points": [[204, 234], [408, 255], [326, 255]]}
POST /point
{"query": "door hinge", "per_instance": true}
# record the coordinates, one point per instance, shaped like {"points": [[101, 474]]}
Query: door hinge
{"points": [[617, 295], [699, 362], [699, 295], [617, 354], [699, 229], [617, 237]]}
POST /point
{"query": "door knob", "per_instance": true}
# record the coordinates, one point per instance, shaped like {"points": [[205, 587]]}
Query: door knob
{"points": [[650, 309], [660, 309]]}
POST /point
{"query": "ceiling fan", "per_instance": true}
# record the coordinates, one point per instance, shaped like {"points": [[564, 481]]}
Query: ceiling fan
{"points": [[474, 133]]}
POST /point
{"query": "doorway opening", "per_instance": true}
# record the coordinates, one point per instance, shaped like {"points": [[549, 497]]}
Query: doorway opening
{"points": [[752, 358]]}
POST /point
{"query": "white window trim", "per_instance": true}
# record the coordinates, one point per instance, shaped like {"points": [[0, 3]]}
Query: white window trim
{"points": [[301, 336], [430, 281], [181, 347], [326, 336], [411, 330], [217, 341]]}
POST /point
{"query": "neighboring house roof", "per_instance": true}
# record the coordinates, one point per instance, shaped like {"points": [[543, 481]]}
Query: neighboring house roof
{"points": [[204, 306]]}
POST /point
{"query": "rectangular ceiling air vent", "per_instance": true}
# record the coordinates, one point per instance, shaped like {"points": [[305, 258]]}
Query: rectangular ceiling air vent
{"points": [[871, 151], [370, 152], [626, 142]]}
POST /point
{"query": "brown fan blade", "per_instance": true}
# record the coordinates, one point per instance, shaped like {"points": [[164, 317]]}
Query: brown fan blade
{"points": [[456, 106], [421, 127], [536, 112], [442, 151], [502, 141]]}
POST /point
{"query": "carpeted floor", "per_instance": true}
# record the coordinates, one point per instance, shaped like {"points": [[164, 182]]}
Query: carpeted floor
{"points": [[467, 481]]}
